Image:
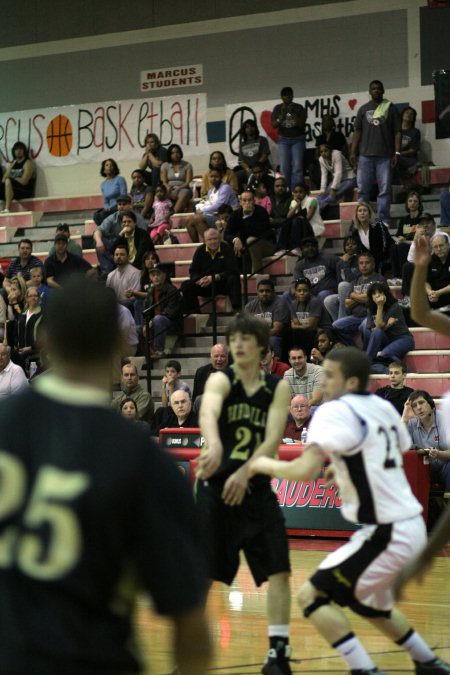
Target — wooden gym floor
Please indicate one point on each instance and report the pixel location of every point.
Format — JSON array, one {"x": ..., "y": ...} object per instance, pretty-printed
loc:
[{"x": 239, "y": 629}]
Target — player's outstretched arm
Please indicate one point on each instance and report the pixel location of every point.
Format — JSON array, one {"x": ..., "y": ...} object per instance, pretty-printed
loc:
[
  {"x": 192, "y": 646},
  {"x": 421, "y": 311},
  {"x": 276, "y": 421},
  {"x": 417, "y": 568},
  {"x": 216, "y": 390},
  {"x": 306, "y": 467}
]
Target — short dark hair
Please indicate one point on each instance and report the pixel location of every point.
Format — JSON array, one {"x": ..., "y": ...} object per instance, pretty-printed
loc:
[
  {"x": 25, "y": 241},
  {"x": 303, "y": 186},
  {"x": 286, "y": 91},
  {"x": 377, "y": 82},
  {"x": 116, "y": 169},
  {"x": 399, "y": 364},
  {"x": 128, "y": 399},
  {"x": 250, "y": 325},
  {"x": 304, "y": 281},
  {"x": 141, "y": 173},
  {"x": 421, "y": 393},
  {"x": 82, "y": 321},
  {"x": 172, "y": 363},
  {"x": 123, "y": 245},
  {"x": 309, "y": 240},
  {"x": 297, "y": 348},
  {"x": 224, "y": 208},
  {"x": 162, "y": 187},
  {"x": 354, "y": 363},
  {"x": 62, "y": 227},
  {"x": 266, "y": 282},
  {"x": 414, "y": 111},
  {"x": 366, "y": 254},
  {"x": 130, "y": 214}
]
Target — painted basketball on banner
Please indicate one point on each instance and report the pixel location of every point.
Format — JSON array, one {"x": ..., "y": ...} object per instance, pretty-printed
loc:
[{"x": 59, "y": 136}]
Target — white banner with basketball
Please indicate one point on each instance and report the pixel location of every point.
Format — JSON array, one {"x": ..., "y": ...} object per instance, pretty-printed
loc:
[
  {"x": 342, "y": 107},
  {"x": 80, "y": 134}
]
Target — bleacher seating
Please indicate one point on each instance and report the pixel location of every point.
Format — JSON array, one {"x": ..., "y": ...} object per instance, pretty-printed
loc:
[{"x": 428, "y": 364}]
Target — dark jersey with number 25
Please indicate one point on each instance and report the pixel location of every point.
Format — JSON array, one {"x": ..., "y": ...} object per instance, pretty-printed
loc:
[
  {"x": 90, "y": 512},
  {"x": 242, "y": 423}
]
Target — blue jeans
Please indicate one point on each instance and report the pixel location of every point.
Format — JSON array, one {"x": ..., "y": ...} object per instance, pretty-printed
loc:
[
  {"x": 276, "y": 342},
  {"x": 345, "y": 186},
  {"x": 376, "y": 340},
  {"x": 347, "y": 327},
  {"x": 440, "y": 473},
  {"x": 291, "y": 159},
  {"x": 161, "y": 325},
  {"x": 370, "y": 168},
  {"x": 335, "y": 304}
]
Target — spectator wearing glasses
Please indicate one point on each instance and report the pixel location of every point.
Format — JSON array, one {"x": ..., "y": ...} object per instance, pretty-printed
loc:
[{"x": 298, "y": 419}]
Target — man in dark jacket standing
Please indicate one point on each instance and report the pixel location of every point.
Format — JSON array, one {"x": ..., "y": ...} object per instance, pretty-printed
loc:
[
  {"x": 163, "y": 308},
  {"x": 214, "y": 265},
  {"x": 250, "y": 226}
]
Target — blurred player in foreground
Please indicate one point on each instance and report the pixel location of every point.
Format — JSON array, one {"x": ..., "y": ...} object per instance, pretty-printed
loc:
[
  {"x": 365, "y": 438},
  {"x": 242, "y": 415},
  {"x": 90, "y": 512},
  {"x": 422, "y": 313}
]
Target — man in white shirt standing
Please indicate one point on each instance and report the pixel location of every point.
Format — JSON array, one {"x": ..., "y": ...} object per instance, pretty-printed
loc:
[
  {"x": 365, "y": 439},
  {"x": 12, "y": 377}
]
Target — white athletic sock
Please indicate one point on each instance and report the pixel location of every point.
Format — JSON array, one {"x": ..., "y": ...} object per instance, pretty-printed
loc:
[
  {"x": 281, "y": 630},
  {"x": 353, "y": 653},
  {"x": 416, "y": 647}
]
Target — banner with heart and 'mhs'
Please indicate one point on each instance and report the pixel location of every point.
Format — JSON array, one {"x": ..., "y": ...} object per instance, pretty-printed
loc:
[{"x": 342, "y": 107}]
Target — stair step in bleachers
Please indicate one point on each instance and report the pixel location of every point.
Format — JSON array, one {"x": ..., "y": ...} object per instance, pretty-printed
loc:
[
  {"x": 10, "y": 222},
  {"x": 429, "y": 361},
  {"x": 174, "y": 252},
  {"x": 434, "y": 383},
  {"x": 438, "y": 175},
  {"x": 428, "y": 339},
  {"x": 347, "y": 210},
  {"x": 63, "y": 204}
]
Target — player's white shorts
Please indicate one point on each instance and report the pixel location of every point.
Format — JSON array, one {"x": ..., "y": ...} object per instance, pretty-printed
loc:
[{"x": 360, "y": 574}]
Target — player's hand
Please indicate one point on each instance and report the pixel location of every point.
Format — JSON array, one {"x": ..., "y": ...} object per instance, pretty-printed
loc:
[
  {"x": 329, "y": 475},
  {"x": 238, "y": 246},
  {"x": 434, "y": 453},
  {"x": 391, "y": 321},
  {"x": 414, "y": 570},
  {"x": 408, "y": 412},
  {"x": 209, "y": 461},
  {"x": 422, "y": 253},
  {"x": 235, "y": 487},
  {"x": 260, "y": 465}
]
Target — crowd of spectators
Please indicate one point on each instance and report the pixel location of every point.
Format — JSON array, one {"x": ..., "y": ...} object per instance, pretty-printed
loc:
[{"x": 239, "y": 216}]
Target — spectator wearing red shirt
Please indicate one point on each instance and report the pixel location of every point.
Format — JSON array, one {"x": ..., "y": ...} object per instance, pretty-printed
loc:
[
  {"x": 271, "y": 364},
  {"x": 299, "y": 417}
]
